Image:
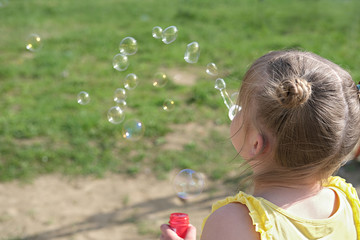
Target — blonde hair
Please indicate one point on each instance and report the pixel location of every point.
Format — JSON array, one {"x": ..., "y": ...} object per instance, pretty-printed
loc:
[{"x": 310, "y": 106}]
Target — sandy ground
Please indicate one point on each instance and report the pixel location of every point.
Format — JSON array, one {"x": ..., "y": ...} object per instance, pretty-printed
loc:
[{"x": 114, "y": 207}]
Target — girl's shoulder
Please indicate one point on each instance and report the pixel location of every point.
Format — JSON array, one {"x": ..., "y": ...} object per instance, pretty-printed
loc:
[
  {"x": 243, "y": 212},
  {"x": 230, "y": 222}
]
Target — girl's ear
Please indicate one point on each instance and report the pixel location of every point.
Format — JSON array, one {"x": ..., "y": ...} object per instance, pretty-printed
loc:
[{"x": 258, "y": 145}]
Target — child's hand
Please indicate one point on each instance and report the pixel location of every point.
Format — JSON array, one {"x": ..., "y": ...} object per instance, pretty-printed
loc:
[{"x": 168, "y": 234}]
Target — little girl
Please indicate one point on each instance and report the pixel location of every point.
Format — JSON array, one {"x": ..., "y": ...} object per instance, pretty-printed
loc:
[{"x": 299, "y": 123}]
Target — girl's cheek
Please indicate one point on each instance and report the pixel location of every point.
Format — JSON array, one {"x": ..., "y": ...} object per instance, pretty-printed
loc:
[{"x": 236, "y": 133}]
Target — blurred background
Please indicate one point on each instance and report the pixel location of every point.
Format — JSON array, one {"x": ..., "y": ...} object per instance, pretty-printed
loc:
[{"x": 52, "y": 147}]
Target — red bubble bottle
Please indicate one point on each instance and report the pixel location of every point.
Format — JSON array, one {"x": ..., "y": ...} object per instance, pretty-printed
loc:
[{"x": 179, "y": 223}]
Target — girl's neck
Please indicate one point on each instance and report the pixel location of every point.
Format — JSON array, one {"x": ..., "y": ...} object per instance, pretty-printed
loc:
[{"x": 283, "y": 196}]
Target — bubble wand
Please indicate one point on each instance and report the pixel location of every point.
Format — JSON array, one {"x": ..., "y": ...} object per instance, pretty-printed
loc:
[{"x": 233, "y": 108}]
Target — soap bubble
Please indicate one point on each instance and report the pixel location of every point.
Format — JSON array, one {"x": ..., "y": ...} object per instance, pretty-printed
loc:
[
  {"x": 131, "y": 81},
  {"x": 160, "y": 79},
  {"x": 211, "y": 69},
  {"x": 65, "y": 74},
  {"x": 83, "y": 98},
  {"x": 188, "y": 183},
  {"x": 115, "y": 115},
  {"x": 233, "y": 110},
  {"x": 45, "y": 159},
  {"x": 168, "y": 105},
  {"x": 133, "y": 130},
  {"x": 33, "y": 42},
  {"x": 128, "y": 46},
  {"x": 169, "y": 34},
  {"x": 157, "y": 32},
  {"x": 144, "y": 18},
  {"x": 119, "y": 94},
  {"x": 120, "y": 62},
  {"x": 220, "y": 84},
  {"x": 121, "y": 104},
  {"x": 192, "y": 52}
]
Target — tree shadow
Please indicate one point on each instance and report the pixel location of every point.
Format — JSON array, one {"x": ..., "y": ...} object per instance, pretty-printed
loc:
[
  {"x": 123, "y": 215},
  {"x": 135, "y": 213}
]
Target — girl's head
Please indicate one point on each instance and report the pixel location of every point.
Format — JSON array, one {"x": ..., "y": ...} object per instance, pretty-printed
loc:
[{"x": 306, "y": 110}]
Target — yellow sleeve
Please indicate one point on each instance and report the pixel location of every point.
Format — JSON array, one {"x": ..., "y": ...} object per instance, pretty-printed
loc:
[
  {"x": 352, "y": 197},
  {"x": 257, "y": 213}
]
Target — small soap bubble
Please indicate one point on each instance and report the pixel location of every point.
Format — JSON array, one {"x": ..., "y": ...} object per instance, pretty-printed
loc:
[
  {"x": 119, "y": 94},
  {"x": 144, "y": 17},
  {"x": 192, "y": 52},
  {"x": 120, "y": 62},
  {"x": 160, "y": 79},
  {"x": 83, "y": 98},
  {"x": 45, "y": 159},
  {"x": 169, "y": 35},
  {"x": 115, "y": 115},
  {"x": 220, "y": 84},
  {"x": 121, "y": 104},
  {"x": 168, "y": 105},
  {"x": 33, "y": 42},
  {"x": 65, "y": 74},
  {"x": 128, "y": 46},
  {"x": 131, "y": 81},
  {"x": 188, "y": 184},
  {"x": 234, "y": 109},
  {"x": 157, "y": 32},
  {"x": 133, "y": 130},
  {"x": 211, "y": 69}
]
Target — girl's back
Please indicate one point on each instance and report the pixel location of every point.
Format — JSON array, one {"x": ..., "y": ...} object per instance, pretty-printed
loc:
[{"x": 332, "y": 213}]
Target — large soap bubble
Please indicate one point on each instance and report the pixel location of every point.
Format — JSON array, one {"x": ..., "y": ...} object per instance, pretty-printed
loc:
[
  {"x": 128, "y": 46},
  {"x": 188, "y": 183},
  {"x": 192, "y": 52},
  {"x": 115, "y": 115},
  {"x": 131, "y": 81},
  {"x": 83, "y": 98},
  {"x": 120, "y": 62},
  {"x": 157, "y": 32},
  {"x": 169, "y": 105},
  {"x": 119, "y": 95},
  {"x": 160, "y": 79},
  {"x": 211, "y": 69},
  {"x": 133, "y": 129},
  {"x": 169, "y": 35}
]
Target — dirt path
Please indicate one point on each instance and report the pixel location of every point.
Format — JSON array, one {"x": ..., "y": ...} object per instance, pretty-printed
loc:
[{"x": 115, "y": 207}]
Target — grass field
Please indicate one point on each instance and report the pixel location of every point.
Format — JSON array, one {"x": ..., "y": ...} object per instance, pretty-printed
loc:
[{"x": 44, "y": 130}]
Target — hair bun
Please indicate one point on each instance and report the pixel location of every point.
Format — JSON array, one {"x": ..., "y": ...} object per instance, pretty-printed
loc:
[{"x": 292, "y": 93}]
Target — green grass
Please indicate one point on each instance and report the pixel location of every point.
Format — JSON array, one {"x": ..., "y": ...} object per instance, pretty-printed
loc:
[{"x": 42, "y": 128}]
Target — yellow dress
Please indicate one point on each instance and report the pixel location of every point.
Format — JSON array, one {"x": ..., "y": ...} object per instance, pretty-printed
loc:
[{"x": 275, "y": 223}]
